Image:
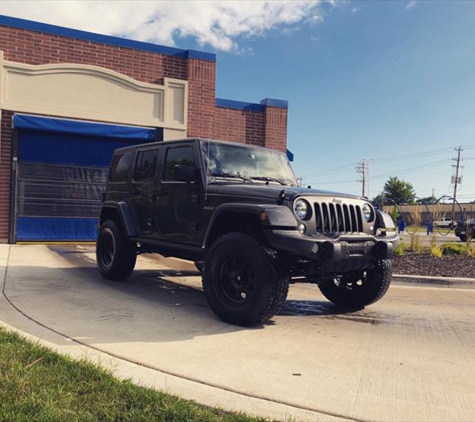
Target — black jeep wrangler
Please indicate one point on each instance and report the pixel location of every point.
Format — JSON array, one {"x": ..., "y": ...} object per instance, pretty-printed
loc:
[{"x": 238, "y": 212}]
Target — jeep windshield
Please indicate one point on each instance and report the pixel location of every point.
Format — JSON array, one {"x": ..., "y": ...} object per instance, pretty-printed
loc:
[{"x": 245, "y": 164}]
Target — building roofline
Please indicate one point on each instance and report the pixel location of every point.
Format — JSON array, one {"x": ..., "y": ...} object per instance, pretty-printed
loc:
[
  {"x": 104, "y": 39},
  {"x": 241, "y": 105}
]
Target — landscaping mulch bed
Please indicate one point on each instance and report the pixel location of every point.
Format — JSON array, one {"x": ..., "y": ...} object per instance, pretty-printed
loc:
[{"x": 424, "y": 264}]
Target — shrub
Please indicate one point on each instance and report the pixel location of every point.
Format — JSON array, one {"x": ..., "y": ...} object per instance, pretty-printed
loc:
[
  {"x": 399, "y": 251},
  {"x": 436, "y": 251},
  {"x": 454, "y": 248}
]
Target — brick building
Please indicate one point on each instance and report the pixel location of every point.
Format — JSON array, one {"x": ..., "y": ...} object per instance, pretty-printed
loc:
[{"x": 68, "y": 98}]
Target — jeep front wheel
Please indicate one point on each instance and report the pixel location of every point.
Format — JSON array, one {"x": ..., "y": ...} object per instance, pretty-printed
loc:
[
  {"x": 358, "y": 289},
  {"x": 116, "y": 255},
  {"x": 242, "y": 280}
]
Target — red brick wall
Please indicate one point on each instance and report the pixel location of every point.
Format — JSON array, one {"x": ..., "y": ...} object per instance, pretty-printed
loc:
[
  {"x": 204, "y": 118},
  {"x": 5, "y": 173},
  {"x": 201, "y": 98},
  {"x": 276, "y": 128},
  {"x": 239, "y": 126},
  {"x": 20, "y": 45}
]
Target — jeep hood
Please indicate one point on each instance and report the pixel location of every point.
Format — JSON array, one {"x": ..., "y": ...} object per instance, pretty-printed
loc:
[{"x": 271, "y": 191}]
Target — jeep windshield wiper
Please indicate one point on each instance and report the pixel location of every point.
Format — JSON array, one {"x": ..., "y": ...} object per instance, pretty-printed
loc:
[
  {"x": 269, "y": 179},
  {"x": 230, "y": 175}
]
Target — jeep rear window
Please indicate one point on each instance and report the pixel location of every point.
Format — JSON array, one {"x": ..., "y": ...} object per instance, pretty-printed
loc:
[
  {"x": 145, "y": 165},
  {"x": 120, "y": 167},
  {"x": 178, "y": 156}
]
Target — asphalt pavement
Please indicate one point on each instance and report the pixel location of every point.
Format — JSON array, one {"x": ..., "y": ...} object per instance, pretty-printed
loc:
[{"x": 408, "y": 357}]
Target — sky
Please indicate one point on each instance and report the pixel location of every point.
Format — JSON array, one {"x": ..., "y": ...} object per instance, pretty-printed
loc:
[{"x": 388, "y": 83}]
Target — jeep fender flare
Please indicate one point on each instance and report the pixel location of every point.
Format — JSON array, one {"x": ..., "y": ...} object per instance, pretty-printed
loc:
[
  {"x": 278, "y": 217},
  {"x": 123, "y": 210},
  {"x": 384, "y": 220}
]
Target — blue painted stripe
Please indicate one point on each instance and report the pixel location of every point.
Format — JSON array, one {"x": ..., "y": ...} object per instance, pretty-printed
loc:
[
  {"x": 271, "y": 102},
  {"x": 47, "y": 228},
  {"x": 239, "y": 105},
  {"x": 104, "y": 39},
  {"x": 104, "y": 130}
]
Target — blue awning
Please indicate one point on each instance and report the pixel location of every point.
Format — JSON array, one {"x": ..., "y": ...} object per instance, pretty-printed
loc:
[
  {"x": 103, "y": 130},
  {"x": 290, "y": 156}
]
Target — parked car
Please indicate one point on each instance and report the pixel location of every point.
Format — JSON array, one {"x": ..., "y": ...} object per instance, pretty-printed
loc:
[
  {"x": 445, "y": 223},
  {"x": 465, "y": 229},
  {"x": 238, "y": 212}
]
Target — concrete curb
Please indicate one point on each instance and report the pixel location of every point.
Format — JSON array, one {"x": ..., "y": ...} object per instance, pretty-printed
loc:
[{"x": 428, "y": 281}]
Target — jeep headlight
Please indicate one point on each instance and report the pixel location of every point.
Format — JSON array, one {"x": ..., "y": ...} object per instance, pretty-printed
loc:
[
  {"x": 302, "y": 209},
  {"x": 367, "y": 212}
]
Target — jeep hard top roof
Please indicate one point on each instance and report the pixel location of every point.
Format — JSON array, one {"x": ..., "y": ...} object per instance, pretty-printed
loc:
[{"x": 178, "y": 141}]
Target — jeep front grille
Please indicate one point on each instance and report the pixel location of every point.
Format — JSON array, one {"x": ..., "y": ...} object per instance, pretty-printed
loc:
[{"x": 338, "y": 218}]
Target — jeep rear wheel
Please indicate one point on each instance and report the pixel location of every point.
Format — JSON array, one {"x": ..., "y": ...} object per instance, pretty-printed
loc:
[
  {"x": 242, "y": 281},
  {"x": 356, "y": 290},
  {"x": 116, "y": 255}
]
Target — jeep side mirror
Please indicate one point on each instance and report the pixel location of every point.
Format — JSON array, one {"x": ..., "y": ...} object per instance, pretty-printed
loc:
[{"x": 183, "y": 173}]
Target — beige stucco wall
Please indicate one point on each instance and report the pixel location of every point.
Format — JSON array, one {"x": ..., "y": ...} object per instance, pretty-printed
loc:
[{"x": 93, "y": 93}]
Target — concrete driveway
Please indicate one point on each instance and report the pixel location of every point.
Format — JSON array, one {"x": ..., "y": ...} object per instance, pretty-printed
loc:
[{"x": 408, "y": 357}]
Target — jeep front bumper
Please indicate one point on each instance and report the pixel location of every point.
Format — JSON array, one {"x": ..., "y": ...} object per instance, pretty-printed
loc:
[{"x": 334, "y": 249}]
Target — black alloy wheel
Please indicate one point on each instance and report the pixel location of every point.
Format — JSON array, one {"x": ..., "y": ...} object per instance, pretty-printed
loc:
[{"x": 242, "y": 280}]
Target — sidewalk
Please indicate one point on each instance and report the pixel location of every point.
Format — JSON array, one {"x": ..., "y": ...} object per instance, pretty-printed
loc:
[
  {"x": 158, "y": 331},
  {"x": 108, "y": 353},
  {"x": 428, "y": 281}
]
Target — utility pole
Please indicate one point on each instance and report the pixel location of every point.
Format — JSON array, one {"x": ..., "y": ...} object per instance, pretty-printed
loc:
[
  {"x": 457, "y": 180},
  {"x": 363, "y": 169}
]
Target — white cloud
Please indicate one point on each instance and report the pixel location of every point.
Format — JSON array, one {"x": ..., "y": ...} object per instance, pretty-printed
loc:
[
  {"x": 411, "y": 4},
  {"x": 213, "y": 23}
]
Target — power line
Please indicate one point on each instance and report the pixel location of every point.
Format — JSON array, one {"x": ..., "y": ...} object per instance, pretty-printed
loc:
[
  {"x": 385, "y": 160},
  {"x": 412, "y": 169},
  {"x": 412, "y": 156},
  {"x": 330, "y": 170}
]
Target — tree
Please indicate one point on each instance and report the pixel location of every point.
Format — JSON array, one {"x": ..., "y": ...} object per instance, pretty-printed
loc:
[
  {"x": 428, "y": 200},
  {"x": 399, "y": 191}
]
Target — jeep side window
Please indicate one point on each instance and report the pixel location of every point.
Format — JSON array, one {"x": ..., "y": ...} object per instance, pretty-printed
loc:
[
  {"x": 178, "y": 156},
  {"x": 145, "y": 165},
  {"x": 120, "y": 167}
]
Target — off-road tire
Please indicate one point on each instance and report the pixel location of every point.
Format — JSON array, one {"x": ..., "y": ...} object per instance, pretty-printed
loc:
[
  {"x": 116, "y": 255},
  {"x": 360, "y": 289},
  {"x": 242, "y": 281},
  {"x": 463, "y": 238}
]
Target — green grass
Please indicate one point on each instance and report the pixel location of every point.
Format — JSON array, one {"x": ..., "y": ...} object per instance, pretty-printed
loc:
[{"x": 38, "y": 384}]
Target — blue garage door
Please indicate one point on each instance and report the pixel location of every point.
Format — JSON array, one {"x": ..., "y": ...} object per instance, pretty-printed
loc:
[{"x": 62, "y": 171}]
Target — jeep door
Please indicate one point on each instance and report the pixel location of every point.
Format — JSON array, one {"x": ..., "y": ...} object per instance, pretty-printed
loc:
[
  {"x": 177, "y": 207},
  {"x": 142, "y": 187}
]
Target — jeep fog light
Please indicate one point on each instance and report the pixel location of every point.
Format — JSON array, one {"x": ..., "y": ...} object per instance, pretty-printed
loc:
[
  {"x": 301, "y": 208},
  {"x": 302, "y": 228}
]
